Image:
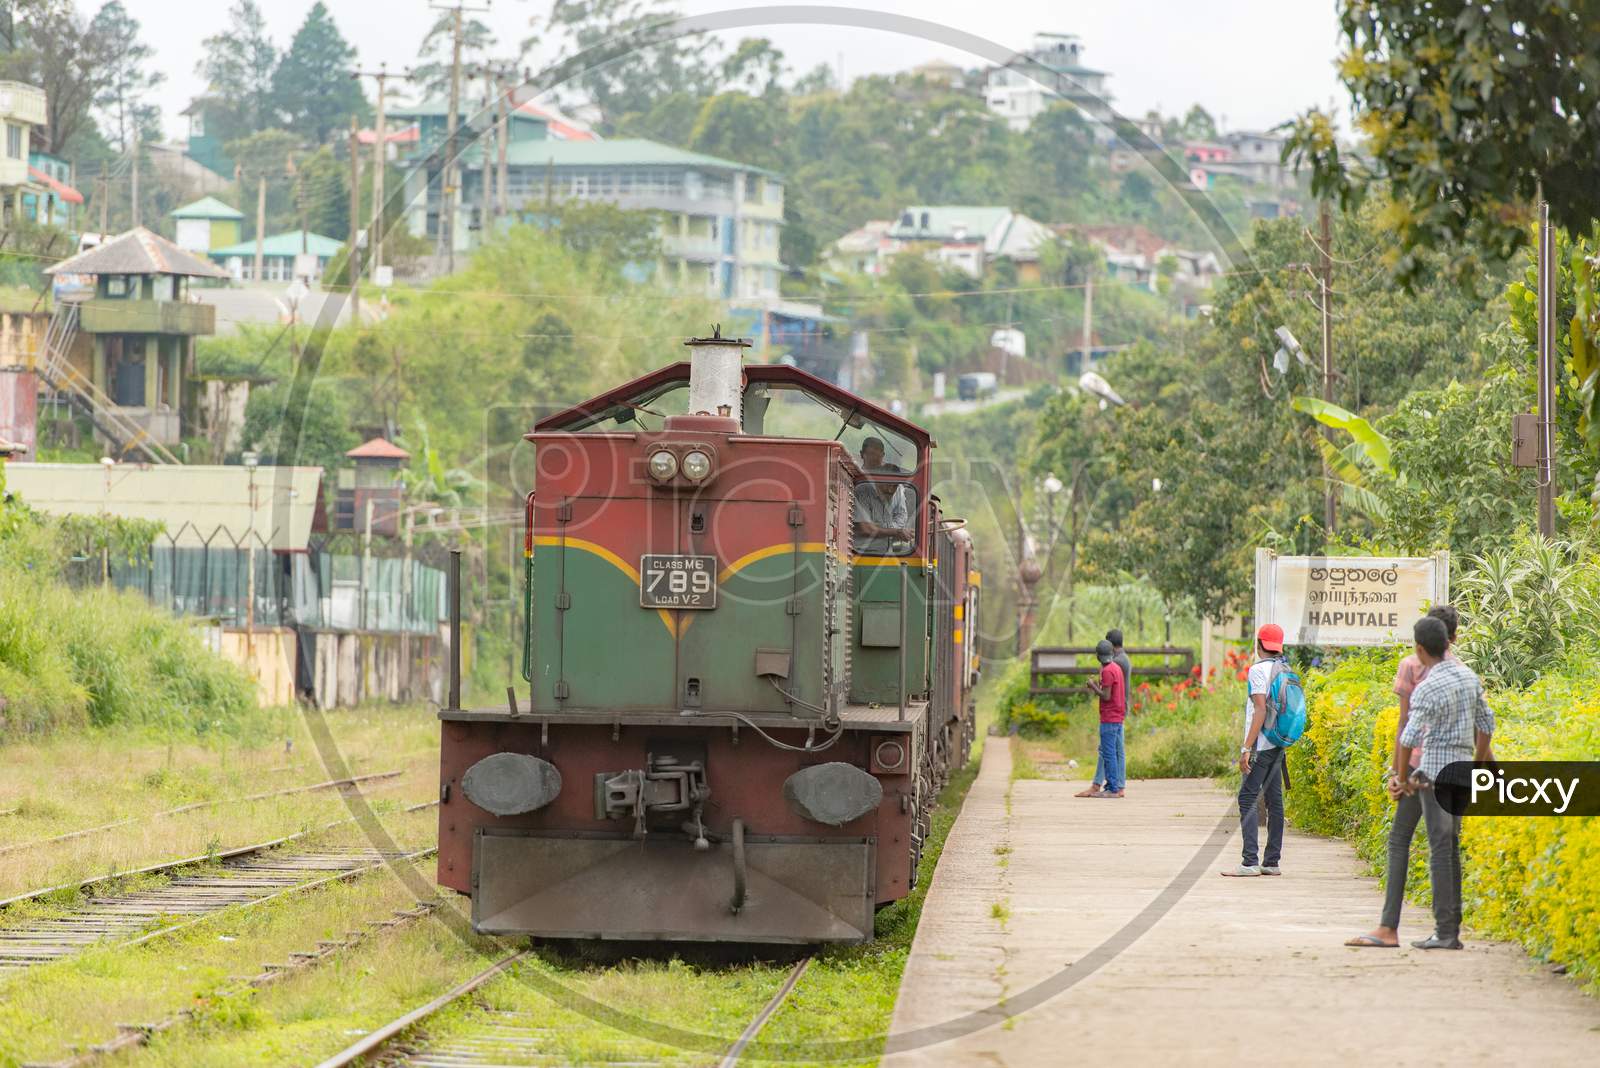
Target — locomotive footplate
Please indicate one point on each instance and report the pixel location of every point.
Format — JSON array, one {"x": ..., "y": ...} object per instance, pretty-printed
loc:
[
  {"x": 571, "y": 884},
  {"x": 877, "y": 718}
]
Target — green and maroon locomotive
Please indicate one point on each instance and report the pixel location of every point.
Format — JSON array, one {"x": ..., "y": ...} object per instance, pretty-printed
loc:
[{"x": 748, "y": 667}]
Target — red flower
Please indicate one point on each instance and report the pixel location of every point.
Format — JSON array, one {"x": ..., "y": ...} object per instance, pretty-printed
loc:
[{"x": 1242, "y": 675}]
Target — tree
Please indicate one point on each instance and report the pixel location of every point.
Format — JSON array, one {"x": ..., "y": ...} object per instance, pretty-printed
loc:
[
  {"x": 740, "y": 126},
  {"x": 611, "y": 238},
  {"x": 123, "y": 101},
  {"x": 1060, "y": 146},
  {"x": 325, "y": 433},
  {"x": 70, "y": 59},
  {"x": 432, "y": 75},
  {"x": 265, "y": 154},
  {"x": 1467, "y": 109},
  {"x": 322, "y": 192},
  {"x": 630, "y": 59},
  {"x": 755, "y": 66},
  {"x": 239, "y": 64},
  {"x": 311, "y": 87},
  {"x": 1198, "y": 125}
]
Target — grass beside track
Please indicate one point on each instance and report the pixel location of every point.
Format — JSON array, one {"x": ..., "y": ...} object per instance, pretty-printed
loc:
[
  {"x": 48, "y": 1009},
  {"x": 66, "y": 784}
]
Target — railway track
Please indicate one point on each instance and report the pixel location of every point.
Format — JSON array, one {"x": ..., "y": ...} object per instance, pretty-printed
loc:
[
  {"x": 243, "y": 877},
  {"x": 503, "y": 1038}
]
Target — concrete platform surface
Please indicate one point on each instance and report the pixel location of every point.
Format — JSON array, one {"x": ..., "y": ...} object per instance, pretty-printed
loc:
[{"x": 1068, "y": 930}]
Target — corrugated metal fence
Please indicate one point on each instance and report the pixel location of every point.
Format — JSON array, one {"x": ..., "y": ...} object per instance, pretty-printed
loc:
[{"x": 316, "y": 589}]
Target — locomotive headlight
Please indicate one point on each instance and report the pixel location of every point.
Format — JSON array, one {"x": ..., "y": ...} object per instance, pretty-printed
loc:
[
  {"x": 697, "y": 466},
  {"x": 663, "y": 465}
]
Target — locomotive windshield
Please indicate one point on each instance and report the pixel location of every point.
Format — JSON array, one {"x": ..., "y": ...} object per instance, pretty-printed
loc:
[
  {"x": 792, "y": 411},
  {"x": 773, "y": 409}
]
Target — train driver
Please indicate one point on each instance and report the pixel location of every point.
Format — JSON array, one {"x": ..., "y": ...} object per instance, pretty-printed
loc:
[{"x": 882, "y": 513}]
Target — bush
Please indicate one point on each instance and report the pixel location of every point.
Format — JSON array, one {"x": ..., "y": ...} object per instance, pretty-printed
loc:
[
  {"x": 1528, "y": 607},
  {"x": 75, "y": 658},
  {"x": 1535, "y": 881}
]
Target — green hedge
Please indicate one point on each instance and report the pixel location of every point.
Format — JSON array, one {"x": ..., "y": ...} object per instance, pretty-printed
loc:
[{"x": 1533, "y": 881}]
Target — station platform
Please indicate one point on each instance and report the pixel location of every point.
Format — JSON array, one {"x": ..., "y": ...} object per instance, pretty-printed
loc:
[{"x": 1064, "y": 930}]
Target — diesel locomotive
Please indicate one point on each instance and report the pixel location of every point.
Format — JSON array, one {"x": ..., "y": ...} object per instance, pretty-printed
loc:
[{"x": 748, "y": 666}]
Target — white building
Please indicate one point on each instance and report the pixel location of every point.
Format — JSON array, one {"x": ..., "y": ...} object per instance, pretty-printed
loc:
[
  {"x": 720, "y": 220},
  {"x": 1049, "y": 72},
  {"x": 968, "y": 237}
]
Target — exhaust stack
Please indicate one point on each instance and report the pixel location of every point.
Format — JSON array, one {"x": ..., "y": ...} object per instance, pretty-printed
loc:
[{"x": 716, "y": 378}]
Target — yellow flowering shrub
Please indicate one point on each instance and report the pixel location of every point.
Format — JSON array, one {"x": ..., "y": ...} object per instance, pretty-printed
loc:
[{"x": 1531, "y": 880}]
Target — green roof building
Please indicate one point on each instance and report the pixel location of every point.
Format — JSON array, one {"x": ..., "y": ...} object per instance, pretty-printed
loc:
[
  {"x": 720, "y": 218},
  {"x": 206, "y": 224},
  {"x": 278, "y": 255}
]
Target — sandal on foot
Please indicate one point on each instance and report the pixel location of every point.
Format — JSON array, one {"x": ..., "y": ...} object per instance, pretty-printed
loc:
[
  {"x": 1093, "y": 791},
  {"x": 1370, "y": 942}
]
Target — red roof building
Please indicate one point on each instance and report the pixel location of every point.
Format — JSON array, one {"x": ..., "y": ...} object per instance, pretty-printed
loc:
[{"x": 378, "y": 449}]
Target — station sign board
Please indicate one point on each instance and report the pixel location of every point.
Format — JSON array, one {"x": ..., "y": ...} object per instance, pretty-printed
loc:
[{"x": 1348, "y": 600}]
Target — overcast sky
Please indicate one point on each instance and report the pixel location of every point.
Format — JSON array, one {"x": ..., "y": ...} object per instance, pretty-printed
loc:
[{"x": 1252, "y": 62}]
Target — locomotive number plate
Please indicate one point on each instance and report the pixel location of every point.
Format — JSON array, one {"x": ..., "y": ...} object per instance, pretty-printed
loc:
[{"x": 673, "y": 581}]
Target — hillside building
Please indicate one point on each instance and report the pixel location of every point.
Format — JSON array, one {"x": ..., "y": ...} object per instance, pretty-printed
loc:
[
  {"x": 206, "y": 224},
  {"x": 967, "y": 237},
  {"x": 279, "y": 255},
  {"x": 1048, "y": 73},
  {"x": 720, "y": 220}
]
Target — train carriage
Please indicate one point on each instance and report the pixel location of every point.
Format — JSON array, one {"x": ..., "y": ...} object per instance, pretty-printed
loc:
[{"x": 747, "y": 668}]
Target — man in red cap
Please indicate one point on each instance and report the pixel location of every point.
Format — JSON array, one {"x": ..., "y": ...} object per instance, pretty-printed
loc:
[{"x": 1260, "y": 764}]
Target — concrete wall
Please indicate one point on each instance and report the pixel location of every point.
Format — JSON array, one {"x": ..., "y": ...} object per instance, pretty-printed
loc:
[
  {"x": 348, "y": 668},
  {"x": 19, "y": 408},
  {"x": 268, "y": 656},
  {"x": 351, "y": 667}
]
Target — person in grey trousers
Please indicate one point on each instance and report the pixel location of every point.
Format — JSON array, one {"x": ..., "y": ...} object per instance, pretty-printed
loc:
[
  {"x": 1448, "y": 708},
  {"x": 1408, "y": 806}
]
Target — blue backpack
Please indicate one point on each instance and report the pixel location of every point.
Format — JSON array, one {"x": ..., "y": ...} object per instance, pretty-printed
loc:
[{"x": 1287, "y": 714}]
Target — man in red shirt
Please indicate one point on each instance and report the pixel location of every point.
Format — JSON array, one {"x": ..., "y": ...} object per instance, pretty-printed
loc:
[{"x": 1113, "y": 708}]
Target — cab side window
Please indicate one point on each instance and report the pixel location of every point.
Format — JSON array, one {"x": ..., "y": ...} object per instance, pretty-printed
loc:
[{"x": 884, "y": 518}]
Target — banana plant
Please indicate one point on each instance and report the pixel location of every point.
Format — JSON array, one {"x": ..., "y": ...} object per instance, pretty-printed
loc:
[
  {"x": 1374, "y": 447},
  {"x": 1349, "y": 465}
]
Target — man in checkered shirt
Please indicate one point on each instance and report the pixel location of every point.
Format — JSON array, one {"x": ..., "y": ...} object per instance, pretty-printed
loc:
[{"x": 1448, "y": 709}]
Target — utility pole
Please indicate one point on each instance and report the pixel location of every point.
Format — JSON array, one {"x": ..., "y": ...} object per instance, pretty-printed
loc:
[
  {"x": 1547, "y": 346},
  {"x": 491, "y": 83},
  {"x": 1088, "y": 320},
  {"x": 1325, "y": 228},
  {"x": 380, "y": 160},
  {"x": 261, "y": 224},
  {"x": 447, "y": 177},
  {"x": 105, "y": 203},
  {"x": 504, "y": 139},
  {"x": 300, "y": 202},
  {"x": 352, "y": 267},
  {"x": 134, "y": 206}
]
